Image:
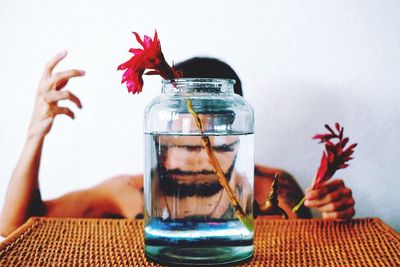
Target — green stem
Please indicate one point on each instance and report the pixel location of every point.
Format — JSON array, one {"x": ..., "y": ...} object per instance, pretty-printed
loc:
[{"x": 298, "y": 206}]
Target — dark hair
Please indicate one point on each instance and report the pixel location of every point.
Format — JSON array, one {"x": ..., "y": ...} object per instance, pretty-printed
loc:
[{"x": 207, "y": 67}]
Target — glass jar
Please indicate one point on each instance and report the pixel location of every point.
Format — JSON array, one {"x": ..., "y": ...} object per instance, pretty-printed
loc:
[{"x": 198, "y": 142}]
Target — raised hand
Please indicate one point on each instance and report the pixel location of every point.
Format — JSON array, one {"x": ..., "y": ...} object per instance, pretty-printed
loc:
[
  {"x": 48, "y": 94},
  {"x": 333, "y": 199},
  {"x": 23, "y": 197}
]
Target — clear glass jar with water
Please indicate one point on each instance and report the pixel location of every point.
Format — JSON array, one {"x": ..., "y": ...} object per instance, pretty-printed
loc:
[{"x": 199, "y": 141}]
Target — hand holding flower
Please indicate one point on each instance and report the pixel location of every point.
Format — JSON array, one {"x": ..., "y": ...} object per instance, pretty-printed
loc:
[{"x": 333, "y": 199}]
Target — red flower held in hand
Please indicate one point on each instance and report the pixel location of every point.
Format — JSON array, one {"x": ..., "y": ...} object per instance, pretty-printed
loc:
[
  {"x": 148, "y": 57},
  {"x": 335, "y": 156}
]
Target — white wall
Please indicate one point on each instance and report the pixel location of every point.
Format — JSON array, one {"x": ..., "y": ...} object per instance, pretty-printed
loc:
[{"x": 302, "y": 64}]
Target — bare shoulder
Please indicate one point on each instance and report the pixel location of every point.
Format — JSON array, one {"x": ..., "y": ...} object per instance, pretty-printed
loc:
[
  {"x": 116, "y": 197},
  {"x": 121, "y": 182},
  {"x": 124, "y": 195}
]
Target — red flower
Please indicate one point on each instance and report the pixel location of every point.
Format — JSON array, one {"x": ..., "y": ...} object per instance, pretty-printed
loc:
[
  {"x": 148, "y": 57},
  {"x": 335, "y": 156}
]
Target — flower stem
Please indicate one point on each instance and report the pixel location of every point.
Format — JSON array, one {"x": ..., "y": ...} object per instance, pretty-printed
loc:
[
  {"x": 244, "y": 219},
  {"x": 298, "y": 206}
]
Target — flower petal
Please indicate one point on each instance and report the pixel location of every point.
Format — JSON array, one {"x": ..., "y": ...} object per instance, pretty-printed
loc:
[
  {"x": 149, "y": 58},
  {"x": 127, "y": 74},
  {"x": 337, "y": 126},
  {"x": 147, "y": 42},
  {"x": 335, "y": 155},
  {"x": 138, "y": 38},
  {"x": 136, "y": 51}
]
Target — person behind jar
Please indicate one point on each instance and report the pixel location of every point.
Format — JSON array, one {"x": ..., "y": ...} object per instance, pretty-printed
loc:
[
  {"x": 184, "y": 181},
  {"x": 122, "y": 196}
]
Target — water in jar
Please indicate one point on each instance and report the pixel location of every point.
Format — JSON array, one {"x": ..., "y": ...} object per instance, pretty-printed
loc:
[{"x": 189, "y": 217}]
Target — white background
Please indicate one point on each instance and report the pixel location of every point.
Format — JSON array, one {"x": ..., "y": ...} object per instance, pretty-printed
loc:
[{"x": 302, "y": 64}]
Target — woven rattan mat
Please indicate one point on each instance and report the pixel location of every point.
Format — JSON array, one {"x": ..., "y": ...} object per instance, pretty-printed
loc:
[{"x": 99, "y": 242}]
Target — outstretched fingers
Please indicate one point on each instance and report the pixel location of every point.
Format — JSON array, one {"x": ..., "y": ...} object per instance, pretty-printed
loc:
[
  {"x": 63, "y": 110},
  {"x": 48, "y": 69},
  {"x": 60, "y": 79},
  {"x": 57, "y": 81},
  {"x": 49, "y": 93},
  {"x": 55, "y": 96}
]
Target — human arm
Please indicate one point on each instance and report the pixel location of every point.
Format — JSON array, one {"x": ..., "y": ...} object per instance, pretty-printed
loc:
[
  {"x": 23, "y": 197},
  {"x": 333, "y": 199}
]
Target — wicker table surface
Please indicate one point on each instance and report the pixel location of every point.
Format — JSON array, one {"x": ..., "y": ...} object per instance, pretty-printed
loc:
[{"x": 98, "y": 242}]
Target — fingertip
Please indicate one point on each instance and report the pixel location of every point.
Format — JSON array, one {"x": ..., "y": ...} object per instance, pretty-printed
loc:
[
  {"x": 78, "y": 103},
  {"x": 330, "y": 216},
  {"x": 308, "y": 191},
  {"x": 63, "y": 53},
  {"x": 309, "y": 195}
]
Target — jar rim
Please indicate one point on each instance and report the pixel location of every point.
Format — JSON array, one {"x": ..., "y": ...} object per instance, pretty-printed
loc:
[
  {"x": 198, "y": 85},
  {"x": 198, "y": 80}
]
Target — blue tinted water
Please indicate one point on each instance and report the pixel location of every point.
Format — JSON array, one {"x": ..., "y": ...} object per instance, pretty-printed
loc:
[
  {"x": 197, "y": 243},
  {"x": 188, "y": 217}
]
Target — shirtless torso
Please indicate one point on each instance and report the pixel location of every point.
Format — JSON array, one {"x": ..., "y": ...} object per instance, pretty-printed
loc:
[{"x": 122, "y": 197}]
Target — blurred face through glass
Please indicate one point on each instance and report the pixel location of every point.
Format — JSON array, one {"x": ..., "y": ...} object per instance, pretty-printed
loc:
[
  {"x": 185, "y": 169},
  {"x": 187, "y": 182}
]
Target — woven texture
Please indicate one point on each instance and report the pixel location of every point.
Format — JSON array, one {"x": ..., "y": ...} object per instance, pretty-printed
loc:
[{"x": 99, "y": 242}]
